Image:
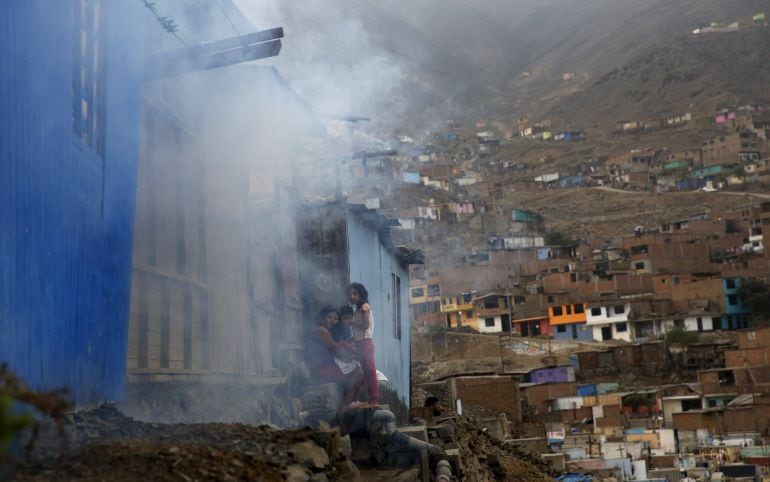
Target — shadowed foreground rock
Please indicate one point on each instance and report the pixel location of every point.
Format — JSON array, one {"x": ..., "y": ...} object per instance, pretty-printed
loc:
[{"x": 102, "y": 444}]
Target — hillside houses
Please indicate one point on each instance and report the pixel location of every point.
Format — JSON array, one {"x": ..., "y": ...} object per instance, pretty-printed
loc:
[
  {"x": 584, "y": 412},
  {"x": 685, "y": 273}
]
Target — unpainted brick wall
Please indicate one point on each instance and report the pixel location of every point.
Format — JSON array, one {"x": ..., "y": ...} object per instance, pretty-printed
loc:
[
  {"x": 454, "y": 346},
  {"x": 498, "y": 394}
]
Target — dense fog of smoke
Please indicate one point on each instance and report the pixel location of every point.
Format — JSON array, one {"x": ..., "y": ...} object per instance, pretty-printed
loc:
[{"x": 330, "y": 59}]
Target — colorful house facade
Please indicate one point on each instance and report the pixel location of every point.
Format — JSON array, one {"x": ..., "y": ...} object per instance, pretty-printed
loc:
[{"x": 569, "y": 322}]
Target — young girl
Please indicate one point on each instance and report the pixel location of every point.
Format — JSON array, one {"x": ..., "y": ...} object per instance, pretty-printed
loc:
[
  {"x": 322, "y": 351},
  {"x": 363, "y": 328},
  {"x": 342, "y": 332}
]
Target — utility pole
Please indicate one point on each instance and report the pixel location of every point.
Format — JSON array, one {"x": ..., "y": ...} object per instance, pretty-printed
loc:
[{"x": 510, "y": 316}]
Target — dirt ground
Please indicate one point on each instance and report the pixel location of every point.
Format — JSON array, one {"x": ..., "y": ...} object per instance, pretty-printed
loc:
[{"x": 103, "y": 444}]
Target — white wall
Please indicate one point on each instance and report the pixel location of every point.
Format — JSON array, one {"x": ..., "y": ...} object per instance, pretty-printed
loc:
[
  {"x": 616, "y": 335},
  {"x": 497, "y": 328},
  {"x": 608, "y": 314},
  {"x": 667, "y": 440},
  {"x": 568, "y": 403},
  {"x": 690, "y": 323}
]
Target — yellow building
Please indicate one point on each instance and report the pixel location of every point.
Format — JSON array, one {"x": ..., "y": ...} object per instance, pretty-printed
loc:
[{"x": 458, "y": 310}]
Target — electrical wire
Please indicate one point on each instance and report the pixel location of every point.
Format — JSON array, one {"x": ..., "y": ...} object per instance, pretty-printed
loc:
[{"x": 167, "y": 23}]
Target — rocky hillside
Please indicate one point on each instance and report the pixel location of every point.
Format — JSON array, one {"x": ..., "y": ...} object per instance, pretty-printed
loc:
[{"x": 697, "y": 73}]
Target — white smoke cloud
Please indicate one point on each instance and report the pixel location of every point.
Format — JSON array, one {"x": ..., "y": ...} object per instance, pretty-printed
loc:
[{"x": 330, "y": 60}]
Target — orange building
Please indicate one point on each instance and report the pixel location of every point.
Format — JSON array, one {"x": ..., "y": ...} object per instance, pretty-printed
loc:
[{"x": 568, "y": 322}]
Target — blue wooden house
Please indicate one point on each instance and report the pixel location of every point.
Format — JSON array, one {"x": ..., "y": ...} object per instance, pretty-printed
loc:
[
  {"x": 70, "y": 93},
  {"x": 340, "y": 244}
]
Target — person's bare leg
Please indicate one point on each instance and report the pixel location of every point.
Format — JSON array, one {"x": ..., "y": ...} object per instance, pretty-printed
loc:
[{"x": 354, "y": 382}]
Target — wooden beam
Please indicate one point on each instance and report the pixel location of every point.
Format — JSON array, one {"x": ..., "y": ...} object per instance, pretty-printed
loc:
[
  {"x": 235, "y": 42},
  {"x": 213, "y": 55}
]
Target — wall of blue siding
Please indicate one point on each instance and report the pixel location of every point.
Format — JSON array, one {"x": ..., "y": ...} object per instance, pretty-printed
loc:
[
  {"x": 372, "y": 265},
  {"x": 733, "y": 291},
  {"x": 66, "y": 215},
  {"x": 581, "y": 332}
]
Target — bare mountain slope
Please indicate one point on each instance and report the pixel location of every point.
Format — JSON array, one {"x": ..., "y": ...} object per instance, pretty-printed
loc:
[
  {"x": 690, "y": 73},
  {"x": 434, "y": 59}
]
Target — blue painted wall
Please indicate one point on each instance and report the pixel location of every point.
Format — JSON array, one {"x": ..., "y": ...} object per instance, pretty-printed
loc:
[
  {"x": 728, "y": 291},
  {"x": 66, "y": 214},
  {"x": 582, "y": 332},
  {"x": 372, "y": 265}
]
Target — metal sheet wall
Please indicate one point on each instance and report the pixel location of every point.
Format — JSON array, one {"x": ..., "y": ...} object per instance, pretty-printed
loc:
[
  {"x": 66, "y": 214},
  {"x": 373, "y": 265}
]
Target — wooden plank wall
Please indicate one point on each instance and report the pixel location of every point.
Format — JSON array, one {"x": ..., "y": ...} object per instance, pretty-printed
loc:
[{"x": 169, "y": 321}]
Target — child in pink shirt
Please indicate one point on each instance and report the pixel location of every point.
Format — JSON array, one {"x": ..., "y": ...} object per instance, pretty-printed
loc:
[{"x": 363, "y": 329}]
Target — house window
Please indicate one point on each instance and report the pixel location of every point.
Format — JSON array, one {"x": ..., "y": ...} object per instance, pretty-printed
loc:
[
  {"x": 639, "y": 265},
  {"x": 675, "y": 279},
  {"x": 489, "y": 322},
  {"x": 573, "y": 277},
  {"x": 751, "y": 336},
  {"x": 491, "y": 302},
  {"x": 467, "y": 298},
  {"x": 619, "y": 309},
  {"x": 596, "y": 311},
  {"x": 569, "y": 309},
  {"x": 433, "y": 290},
  {"x": 730, "y": 283},
  {"x": 88, "y": 74},
  {"x": 621, "y": 327},
  {"x": 469, "y": 314},
  {"x": 578, "y": 309},
  {"x": 699, "y": 321},
  {"x": 395, "y": 304},
  {"x": 550, "y": 299},
  {"x": 561, "y": 329},
  {"x": 557, "y": 311},
  {"x": 732, "y": 300},
  {"x": 418, "y": 292}
]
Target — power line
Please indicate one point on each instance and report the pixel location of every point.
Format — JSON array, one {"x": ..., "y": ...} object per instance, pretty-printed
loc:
[{"x": 168, "y": 24}]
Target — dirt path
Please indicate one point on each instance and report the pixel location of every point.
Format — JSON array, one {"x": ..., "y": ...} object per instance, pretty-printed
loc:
[{"x": 729, "y": 193}]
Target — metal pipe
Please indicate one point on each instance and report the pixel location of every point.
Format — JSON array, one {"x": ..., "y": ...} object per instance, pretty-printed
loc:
[
  {"x": 443, "y": 472},
  {"x": 387, "y": 423}
]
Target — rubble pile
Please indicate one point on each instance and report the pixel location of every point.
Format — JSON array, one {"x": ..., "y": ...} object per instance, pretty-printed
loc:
[
  {"x": 103, "y": 444},
  {"x": 480, "y": 457}
]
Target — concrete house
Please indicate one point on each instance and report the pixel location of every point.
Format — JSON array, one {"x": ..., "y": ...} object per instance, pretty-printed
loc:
[
  {"x": 610, "y": 321},
  {"x": 569, "y": 322},
  {"x": 492, "y": 312},
  {"x": 424, "y": 298},
  {"x": 532, "y": 326},
  {"x": 731, "y": 149}
]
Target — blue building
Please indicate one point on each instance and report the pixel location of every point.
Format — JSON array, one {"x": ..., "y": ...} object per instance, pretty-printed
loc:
[
  {"x": 736, "y": 316},
  {"x": 70, "y": 93},
  {"x": 348, "y": 243}
]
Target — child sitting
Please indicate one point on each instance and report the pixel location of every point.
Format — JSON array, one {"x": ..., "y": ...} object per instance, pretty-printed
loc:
[{"x": 342, "y": 332}]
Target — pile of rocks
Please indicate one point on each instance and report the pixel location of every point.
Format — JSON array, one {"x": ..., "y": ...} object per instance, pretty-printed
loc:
[
  {"x": 103, "y": 444},
  {"x": 480, "y": 457}
]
